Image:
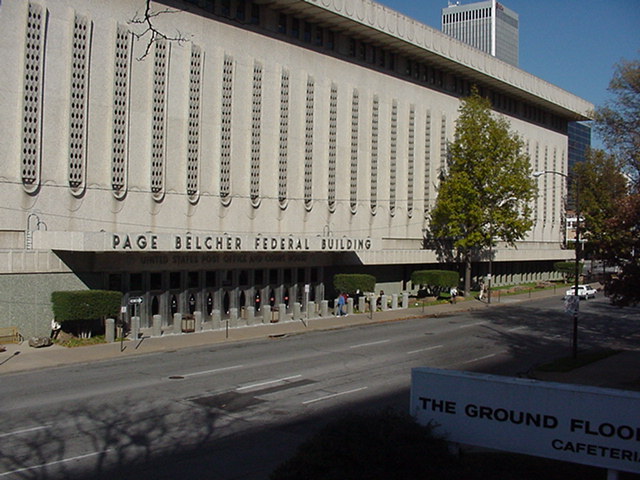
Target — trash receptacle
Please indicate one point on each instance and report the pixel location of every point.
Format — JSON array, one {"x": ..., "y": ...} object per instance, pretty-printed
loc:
[{"x": 188, "y": 323}]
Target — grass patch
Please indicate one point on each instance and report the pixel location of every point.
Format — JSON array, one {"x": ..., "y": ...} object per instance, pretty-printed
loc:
[
  {"x": 566, "y": 364},
  {"x": 81, "y": 342}
]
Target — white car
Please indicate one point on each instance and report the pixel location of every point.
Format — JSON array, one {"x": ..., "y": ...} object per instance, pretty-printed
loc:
[{"x": 584, "y": 291}]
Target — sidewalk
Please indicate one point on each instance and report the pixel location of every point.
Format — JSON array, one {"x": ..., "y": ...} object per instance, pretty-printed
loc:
[{"x": 619, "y": 371}]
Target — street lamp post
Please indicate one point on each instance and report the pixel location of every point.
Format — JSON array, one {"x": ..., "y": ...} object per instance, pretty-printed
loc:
[{"x": 574, "y": 342}]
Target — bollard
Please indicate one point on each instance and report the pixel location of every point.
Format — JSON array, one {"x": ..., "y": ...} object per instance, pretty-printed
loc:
[
  {"x": 297, "y": 311},
  {"x": 233, "y": 317},
  {"x": 110, "y": 330},
  {"x": 266, "y": 313},
  {"x": 197, "y": 315},
  {"x": 282, "y": 312},
  {"x": 405, "y": 300},
  {"x": 177, "y": 323},
  {"x": 156, "y": 329},
  {"x": 324, "y": 308},
  {"x": 383, "y": 302},
  {"x": 135, "y": 327},
  {"x": 349, "y": 306},
  {"x": 394, "y": 301},
  {"x": 251, "y": 315},
  {"x": 311, "y": 309},
  {"x": 362, "y": 303}
]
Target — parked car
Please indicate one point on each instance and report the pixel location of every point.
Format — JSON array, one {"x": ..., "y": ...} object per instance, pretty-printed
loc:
[{"x": 584, "y": 291}]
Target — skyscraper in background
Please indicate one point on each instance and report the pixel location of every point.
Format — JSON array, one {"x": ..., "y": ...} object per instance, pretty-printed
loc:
[{"x": 487, "y": 25}]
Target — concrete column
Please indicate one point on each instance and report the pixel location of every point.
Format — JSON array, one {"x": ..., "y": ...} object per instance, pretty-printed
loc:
[
  {"x": 233, "y": 317},
  {"x": 405, "y": 299},
  {"x": 110, "y": 330},
  {"x": 350, "y": 306},
  {"x": 177, "y": 323},
  {"x": 383, "y": 302},
  {"x": 324, "y": 308},
  {"x": 215, "y": 318},
  {"x": 362, "y": 303},
  {"x": 197, "y": 315},
  {"x": 297, "y": 311},
  {"x": 135, "y": 327},
  {"x": 266, "y": 313},
  {"x": 156, "y": 328}
]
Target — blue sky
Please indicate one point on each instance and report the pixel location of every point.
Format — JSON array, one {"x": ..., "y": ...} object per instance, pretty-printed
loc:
[{"x": 573, "y": 44}]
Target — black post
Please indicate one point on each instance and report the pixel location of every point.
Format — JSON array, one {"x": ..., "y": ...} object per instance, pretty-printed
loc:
[{"x": 577, "y": 267}]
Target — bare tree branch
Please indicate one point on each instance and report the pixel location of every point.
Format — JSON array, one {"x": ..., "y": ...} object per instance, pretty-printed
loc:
[{"x": 147, "y": 21}]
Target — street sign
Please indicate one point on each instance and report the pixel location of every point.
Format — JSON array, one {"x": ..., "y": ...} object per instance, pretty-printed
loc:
[{"x": 135, "y": 300}]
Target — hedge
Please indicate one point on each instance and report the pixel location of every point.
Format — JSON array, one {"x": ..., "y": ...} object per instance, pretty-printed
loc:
[
  {"x": 568, "y": 269},
  {"x": 352, "y": 282},
  {"x": 435, "y": 278},
  {"x": 85, "y": 304}
]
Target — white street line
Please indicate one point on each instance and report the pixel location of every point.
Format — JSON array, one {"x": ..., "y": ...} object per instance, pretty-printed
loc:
[
  {"x": 480, "y": 358},
  {"x": 424, "y": 349},
  {"x": 516, "y": 329},
  {"x": 326, "y": 397},
  {"x": 26, "y": 430},
  {"x": 472, "y": 324},
  {"x": 269, "y": 382},
  {"x": 369, "y": 344},
  {"x": 209, "y": 372},
  {"x": 64, "y": 460}
]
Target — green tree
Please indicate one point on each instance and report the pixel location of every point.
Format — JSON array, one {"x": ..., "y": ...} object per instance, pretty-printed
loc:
[
  {"x": 352, "y": 282},
  {"x": 618, "y": 120},
  {"x": 486, "y": 193},
  {"x": 602, "y": 185},
  {"x": 436, "y": 281}
]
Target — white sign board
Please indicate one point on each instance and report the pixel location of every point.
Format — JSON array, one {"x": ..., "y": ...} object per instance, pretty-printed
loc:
[{"x": 587, "y": 425}]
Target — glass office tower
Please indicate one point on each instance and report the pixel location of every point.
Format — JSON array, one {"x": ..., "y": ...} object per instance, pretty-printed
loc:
[{"x": 488, "y": 26}]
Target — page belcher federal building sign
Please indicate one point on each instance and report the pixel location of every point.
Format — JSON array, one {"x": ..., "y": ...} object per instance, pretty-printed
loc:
[{"x": 592, "y": 426}]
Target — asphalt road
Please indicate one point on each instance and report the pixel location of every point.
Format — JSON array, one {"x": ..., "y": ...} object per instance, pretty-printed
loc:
[{"x": 236, "y": 411}]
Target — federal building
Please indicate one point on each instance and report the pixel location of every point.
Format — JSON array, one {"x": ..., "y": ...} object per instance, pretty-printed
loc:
[{"x": 233, "y": 154}]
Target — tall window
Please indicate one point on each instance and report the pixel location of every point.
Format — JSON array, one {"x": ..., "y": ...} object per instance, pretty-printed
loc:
[
  {"x": 427, "y": 164},
  {"x": 353, "y": 190},
  {"x": 284, "y": 139},
  {"x": 225, "y": 130},
  {"x": 78, "y": 107},
  {"x": 193, "y": 135},
  {"x": 120, "y": 112},
  {"x": 443, "y": 145},
  {"x": 411, "y": 159},
  {"x": 256, "y": 122},
  {"x": 393, "y": 158},
  {"x": 308, "y": 144},
  {"x": 333, "y": 133},
  {"x": 158, "y": 118},
  {"x": 375, "y": 131},
  {"x": 32, "y": 104}
]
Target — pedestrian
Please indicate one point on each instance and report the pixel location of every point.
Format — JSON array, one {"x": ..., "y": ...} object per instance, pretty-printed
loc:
[
  {"x": 341, "y": 301},
  {"x": 55, "y": 329}
]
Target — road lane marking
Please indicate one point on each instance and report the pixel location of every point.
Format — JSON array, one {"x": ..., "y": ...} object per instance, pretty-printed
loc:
[
  {"x": 517, "y": 328},
  {"x": 268, "y": 382},
  {"x": 426, "y": 349},
  {"x": 333, "y": 395},
  {"x": 477, "y": 359},
  {"x": 26, "y": 430},
  {"x": 56, "y": 462},
  {"x": 209, "y": 372},
  {"x": 471, "y": 325},
  {"x": 370, "y": 344}
]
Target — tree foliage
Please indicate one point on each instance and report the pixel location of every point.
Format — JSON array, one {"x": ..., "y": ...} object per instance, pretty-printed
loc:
[
  {"x": 352, "y": 282},
  {"x": 85, "y": 304},
  {"x": 623, "y": 244},
  {"x": 485, "y": 195},
  {"x": 618, "y": 120},
  {"x": 602, "y": 185},
  {"x": 436, "y": 281}
]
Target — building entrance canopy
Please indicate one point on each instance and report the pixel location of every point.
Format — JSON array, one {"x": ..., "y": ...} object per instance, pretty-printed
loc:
[{"x": 199, "y": 242}]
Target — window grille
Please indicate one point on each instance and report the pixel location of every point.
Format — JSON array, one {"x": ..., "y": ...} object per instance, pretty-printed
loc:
[
  {"x": 225, "y": 130},
  {"x": 427, "y": 165},
  {"x": 393, "y": 158},
  {"x": 375, "y": 132},
  {"x": 355, "y": 107},
  {"x": 333, "y": 133},
  {"x": 78, "y": 107},
  {"x": 308, "y": 144},
  {"x": 32, "y": 105},
  {"x": 284, "y": 139},
  {"x": 193, "y": 130},
  {"x": 120, "y": 112},
  {"x": 256, "y": 122},
  {"x": 158, "y": 118},
  {"x": 411, "y": 159}
]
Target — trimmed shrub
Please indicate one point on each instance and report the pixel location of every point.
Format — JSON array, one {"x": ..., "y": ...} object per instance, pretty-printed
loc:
[
  {"x": 82, "y": 312},
  {"x": 567, "y": 269},
  {"x": 352, "y": 282},
  {"x": 436, "y": 281}
]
